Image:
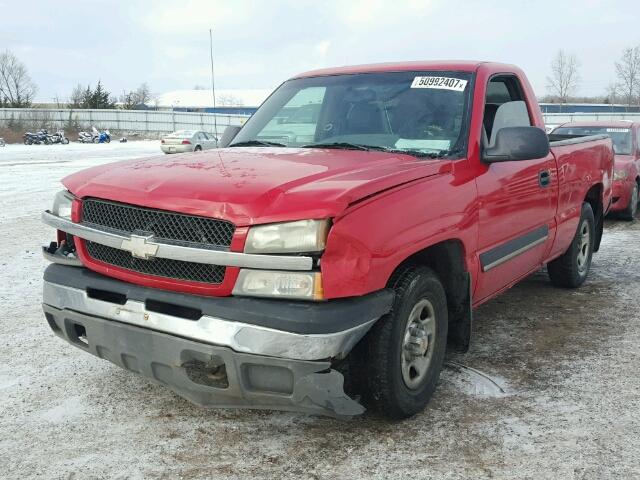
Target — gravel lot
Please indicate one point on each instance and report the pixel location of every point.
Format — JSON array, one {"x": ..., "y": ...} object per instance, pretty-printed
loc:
[{"x": 561, "y": 400}]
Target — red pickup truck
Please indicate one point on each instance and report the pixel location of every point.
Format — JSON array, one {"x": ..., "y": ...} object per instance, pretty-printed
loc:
[
  {"x": 346, "y": 231},
  {"x": 626, "y": 145}
]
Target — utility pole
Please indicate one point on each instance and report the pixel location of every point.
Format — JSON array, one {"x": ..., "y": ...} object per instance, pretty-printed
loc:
[{"x": 213, "y": 86}]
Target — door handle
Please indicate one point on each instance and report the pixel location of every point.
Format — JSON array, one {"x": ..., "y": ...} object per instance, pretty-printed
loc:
[{"x": 544, "y": 178}]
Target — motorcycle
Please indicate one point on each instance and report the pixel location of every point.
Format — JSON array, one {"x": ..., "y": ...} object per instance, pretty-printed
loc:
[
  {"x": 102, "y": 137},
  {"x": 94, "y": 136},
  {"x": 41, "y": 136},
  {"x": 85, "y": 137},
  {"x": 58, "y": 137}
]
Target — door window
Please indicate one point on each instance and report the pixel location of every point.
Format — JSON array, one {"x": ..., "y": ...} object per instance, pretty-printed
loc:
[{"x": 504, "y": 107}]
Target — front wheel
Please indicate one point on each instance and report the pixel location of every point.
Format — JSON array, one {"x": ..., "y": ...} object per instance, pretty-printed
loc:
[
  {"x": 632, "y": 208},
  {"x": 65, "y": 141},
  {"x": 571, "y": 269},
  {"x": 403, "y": 353}
]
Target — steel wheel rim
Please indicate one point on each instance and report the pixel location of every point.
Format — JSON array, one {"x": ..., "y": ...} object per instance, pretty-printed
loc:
[
  {"x": 583, "y": 247},
  {"x": 418, "y": 344}
]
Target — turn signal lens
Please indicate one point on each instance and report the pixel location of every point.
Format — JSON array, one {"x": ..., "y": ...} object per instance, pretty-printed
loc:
[{"x": 276, "y": 284}]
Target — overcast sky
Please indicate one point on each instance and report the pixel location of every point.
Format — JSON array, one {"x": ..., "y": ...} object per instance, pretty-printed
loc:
[{"x": 259, "y": 44}]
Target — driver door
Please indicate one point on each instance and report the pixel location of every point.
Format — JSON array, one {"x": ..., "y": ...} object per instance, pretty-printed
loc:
[{"x": 516, "y": 198}]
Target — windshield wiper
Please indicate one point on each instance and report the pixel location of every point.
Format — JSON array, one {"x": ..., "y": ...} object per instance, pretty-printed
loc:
[
  {"x": 340, "y": 145},
  {"x": 380, "y": 148},
  {"x": 257, "y": 143}
]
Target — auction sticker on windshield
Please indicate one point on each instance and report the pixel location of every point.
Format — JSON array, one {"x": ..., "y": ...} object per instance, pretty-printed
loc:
[{"x": 444, "y": 83}]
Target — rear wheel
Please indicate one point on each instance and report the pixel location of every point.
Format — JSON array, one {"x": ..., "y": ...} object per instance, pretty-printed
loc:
[
  {"x": 403, "y": 353},
  {"x": 632, "y": 208},
  {"x": 571, "y": 269}
]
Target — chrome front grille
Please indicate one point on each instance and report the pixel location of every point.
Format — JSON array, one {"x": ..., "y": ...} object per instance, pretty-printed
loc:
[
  {"x": 160, "y": 267},
  {"x": 165, "y": 226},
  {"x": 170, "y": 227}
]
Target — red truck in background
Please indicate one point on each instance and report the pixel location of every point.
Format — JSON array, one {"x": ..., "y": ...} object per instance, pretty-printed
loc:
[
  {"x": 626, "y": 145},
  {"x": 347, "y": 229}
]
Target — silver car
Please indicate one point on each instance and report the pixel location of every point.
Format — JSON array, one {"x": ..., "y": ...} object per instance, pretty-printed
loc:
[{"x": 188, "y": 141}]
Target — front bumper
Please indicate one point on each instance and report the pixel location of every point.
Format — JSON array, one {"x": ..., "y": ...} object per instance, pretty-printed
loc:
[
  {"x": 274, "y": 354},
  {"x": 208, "y": 375},
  {"x": 621, "y": 195}
]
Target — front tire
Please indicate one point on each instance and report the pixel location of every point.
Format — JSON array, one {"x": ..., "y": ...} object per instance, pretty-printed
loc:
[
  {"x": 404, "y": 351},
  {"x": 632, "y": 208},
  {"x": 571, "y": 269},
  {"x": 198, "y": 148}
]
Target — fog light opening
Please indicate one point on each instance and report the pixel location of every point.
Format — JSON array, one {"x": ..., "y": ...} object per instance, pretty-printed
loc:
[
  {"x": 80, "y": 333},
  {"x": 210, "y": 374}
]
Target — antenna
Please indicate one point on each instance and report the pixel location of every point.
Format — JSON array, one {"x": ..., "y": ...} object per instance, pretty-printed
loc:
[{"x": 213, "y": 86}]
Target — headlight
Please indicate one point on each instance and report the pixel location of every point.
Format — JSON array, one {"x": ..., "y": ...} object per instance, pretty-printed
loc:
[
  {"x": 62, "y": 204},
  {"x": 619, "y": 174},
  {"x": 291, "y": 237},
  {"x": 268, "y": 283}
]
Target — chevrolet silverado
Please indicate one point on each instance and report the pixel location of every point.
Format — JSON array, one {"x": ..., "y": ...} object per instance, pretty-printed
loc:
[{"x": 326, "y": 258}]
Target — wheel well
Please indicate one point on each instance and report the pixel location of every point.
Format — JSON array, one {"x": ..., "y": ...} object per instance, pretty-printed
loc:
[
  {"x": 594, "y": 198},
  {"x": 446, "y": 259}
]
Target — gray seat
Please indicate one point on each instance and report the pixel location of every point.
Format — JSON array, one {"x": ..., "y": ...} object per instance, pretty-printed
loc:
[
  {"x": 365, "y": 118},
  {"x": 509, "y": 114}
]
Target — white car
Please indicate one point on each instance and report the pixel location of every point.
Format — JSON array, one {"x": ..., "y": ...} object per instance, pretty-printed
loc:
[{"x": 188, "y": 141}]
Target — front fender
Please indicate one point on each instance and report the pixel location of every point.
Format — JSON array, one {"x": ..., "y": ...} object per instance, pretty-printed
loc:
[{"x": 373, "y": 238}]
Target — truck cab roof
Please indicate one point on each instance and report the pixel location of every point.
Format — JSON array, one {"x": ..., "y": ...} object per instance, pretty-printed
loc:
[
  {"x": 601, "y": 123},
  {"x": 446, "y": 65}
]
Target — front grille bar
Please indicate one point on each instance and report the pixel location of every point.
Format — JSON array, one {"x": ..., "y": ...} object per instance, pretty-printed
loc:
[{"x": 180, "y": 252}]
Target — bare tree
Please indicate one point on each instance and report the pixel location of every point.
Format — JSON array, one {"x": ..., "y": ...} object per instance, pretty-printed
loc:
[
  {"x": 612, "y": 93},
  {"x": 143, "y": 94},
  {"x": 127, "y": 100},
  {"x": 133, "y": 99},
  {"x": 16, "y": 87},
  {"x": 628, "y": 71},
  {"x": 228, "y": 100},
  {"x": 77, "y": 96},
  {"x": 565, "y": 77}
]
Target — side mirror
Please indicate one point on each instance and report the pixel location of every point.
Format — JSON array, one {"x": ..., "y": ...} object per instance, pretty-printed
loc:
[
  {"x": 228, "y": 135},
  {"x": 517, "y": 143}
]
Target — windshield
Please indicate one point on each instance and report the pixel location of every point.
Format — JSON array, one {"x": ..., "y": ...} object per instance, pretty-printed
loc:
[
  {"x": 621, "y": 137},
  {"x": 413, "y": 112}
]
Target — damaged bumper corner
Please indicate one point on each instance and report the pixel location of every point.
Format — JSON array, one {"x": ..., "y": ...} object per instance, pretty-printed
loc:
[{"x": 205, "y": 374}]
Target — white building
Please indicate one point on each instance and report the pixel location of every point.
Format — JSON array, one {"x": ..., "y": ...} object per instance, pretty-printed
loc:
[{"x": 203, "y": 100}]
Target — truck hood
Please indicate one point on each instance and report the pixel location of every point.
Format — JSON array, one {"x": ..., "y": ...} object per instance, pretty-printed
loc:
[{"x": 253, "y": 185}]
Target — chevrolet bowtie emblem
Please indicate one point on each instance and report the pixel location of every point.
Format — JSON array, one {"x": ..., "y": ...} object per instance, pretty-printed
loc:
[{"x": 140, "y": 246}]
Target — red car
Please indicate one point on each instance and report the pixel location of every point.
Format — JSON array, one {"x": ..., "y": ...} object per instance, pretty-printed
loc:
[
  {"x": 626, "y": 144},
  {"x": 351, "y": 241}
]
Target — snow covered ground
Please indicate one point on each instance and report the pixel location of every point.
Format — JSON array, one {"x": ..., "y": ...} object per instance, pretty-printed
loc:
[{"x": 550, "y": 388}]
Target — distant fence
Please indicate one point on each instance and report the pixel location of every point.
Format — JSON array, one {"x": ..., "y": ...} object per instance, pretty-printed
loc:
[
  {"x": 151, "y": 121},
  {"x": 161, "y": 121},
  {"x": 558, "y": 118}
]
